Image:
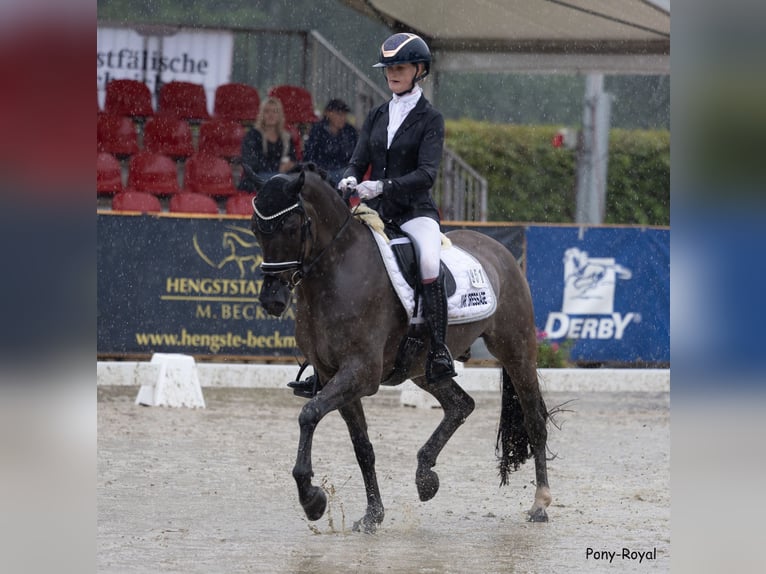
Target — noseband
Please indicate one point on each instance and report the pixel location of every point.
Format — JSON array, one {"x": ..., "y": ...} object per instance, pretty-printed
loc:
[{"x": 270, "y": 224}]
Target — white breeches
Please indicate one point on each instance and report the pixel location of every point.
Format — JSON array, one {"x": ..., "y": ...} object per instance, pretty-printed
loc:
[{"x": 427, "y": 236}]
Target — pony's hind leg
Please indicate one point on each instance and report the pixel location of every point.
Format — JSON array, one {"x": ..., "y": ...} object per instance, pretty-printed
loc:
[
  {"x": 353, "y": 414},
  {"x": 457, "y": 405},
  {"x": 523, "y": 404}
]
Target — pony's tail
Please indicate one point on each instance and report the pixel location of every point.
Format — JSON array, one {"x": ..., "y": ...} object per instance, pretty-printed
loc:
[{"x": 512, "y": 448}]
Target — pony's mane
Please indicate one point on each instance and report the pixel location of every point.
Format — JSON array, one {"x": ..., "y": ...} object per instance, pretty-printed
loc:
[{"x": 309, "y": 166}]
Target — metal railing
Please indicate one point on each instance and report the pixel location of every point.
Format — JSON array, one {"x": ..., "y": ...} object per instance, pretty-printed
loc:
[{"x": 460, "y": 191}]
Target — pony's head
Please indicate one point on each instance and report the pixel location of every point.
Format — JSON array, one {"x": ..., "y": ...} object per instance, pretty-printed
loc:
[{"x": 280, "y": 224}]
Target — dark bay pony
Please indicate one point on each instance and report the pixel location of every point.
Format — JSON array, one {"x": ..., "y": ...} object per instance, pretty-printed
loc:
[{"x": 350, "y": 322}]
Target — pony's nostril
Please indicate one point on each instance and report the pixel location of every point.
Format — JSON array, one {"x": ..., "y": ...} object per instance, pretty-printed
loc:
[{"x": 275, "y": 308}]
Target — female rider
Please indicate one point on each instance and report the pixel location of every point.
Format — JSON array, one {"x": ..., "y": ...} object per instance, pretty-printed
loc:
[{"x": 402, "y": 142}]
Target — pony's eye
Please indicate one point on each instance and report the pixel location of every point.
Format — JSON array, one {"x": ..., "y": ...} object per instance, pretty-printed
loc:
[{"x": 292, "y": 227}]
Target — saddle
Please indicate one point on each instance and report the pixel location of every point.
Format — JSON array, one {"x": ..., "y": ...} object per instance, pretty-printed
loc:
[{"x": 404, "y": 251}]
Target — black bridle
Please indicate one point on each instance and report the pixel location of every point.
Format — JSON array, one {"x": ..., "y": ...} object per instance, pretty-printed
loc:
[{"x": 270, "y": 224}]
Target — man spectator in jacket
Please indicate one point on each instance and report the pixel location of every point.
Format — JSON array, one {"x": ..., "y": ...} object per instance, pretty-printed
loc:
[{"x": 332, "y": 140}]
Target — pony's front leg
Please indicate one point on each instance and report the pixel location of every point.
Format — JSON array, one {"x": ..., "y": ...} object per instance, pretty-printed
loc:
[
  {"x": 339, "y": 392},
  {"x": 312, "y": 498},
  {"x": 353, "y": 414}
]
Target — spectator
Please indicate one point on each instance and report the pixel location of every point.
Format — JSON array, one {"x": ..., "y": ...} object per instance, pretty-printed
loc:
[
  {"x": 332, "y": 140},
  {"x": 267, "y": 149}
]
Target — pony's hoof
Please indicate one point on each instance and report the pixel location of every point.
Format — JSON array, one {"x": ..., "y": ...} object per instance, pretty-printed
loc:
[
  {"x": 427, "y": 482},
  {"x": 537, "y": 515},
  {"x": 366, "y": 525},
  {"x": 315, "y": 503}
]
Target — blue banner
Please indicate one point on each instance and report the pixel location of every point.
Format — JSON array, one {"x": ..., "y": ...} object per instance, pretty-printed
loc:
[{"x": 606, "y": 290}]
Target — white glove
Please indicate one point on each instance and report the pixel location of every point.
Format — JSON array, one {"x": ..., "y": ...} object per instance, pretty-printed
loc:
[
  {"x": 369, "y": 189},
  {"x": 347, "y": 183}
]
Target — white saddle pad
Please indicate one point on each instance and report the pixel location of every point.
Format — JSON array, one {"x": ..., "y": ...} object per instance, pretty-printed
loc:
[{"x": 474, "y": 298}]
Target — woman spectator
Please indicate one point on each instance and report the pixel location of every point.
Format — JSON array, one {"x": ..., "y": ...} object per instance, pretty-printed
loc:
[{"x": 267, "y": 149}]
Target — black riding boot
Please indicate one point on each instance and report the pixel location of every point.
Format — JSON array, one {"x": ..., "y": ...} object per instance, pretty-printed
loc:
[{"x": 439, "y": 364}]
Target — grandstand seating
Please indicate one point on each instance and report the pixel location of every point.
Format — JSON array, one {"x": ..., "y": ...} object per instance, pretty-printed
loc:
[
  {"x": 153, "y": 173},
  {"x": 108, "y": 174},
  {"x": 183, "y": 100},
  {"x": 209, "y": 175},
  {"x": 240, "y": 204},
  {"x": 129, "y": 98},
  {"x": 168, "y": 135},
  {"x": 192, "y": 203},
  {"x": 297, "y": 102},
  {"x": 238, "y": 102},
  {"x": 116, "y": 134},
  {"x": 136, "y": 201},
  {"x": 222, "y": 138},
  {"x": 148, "y": 142}
]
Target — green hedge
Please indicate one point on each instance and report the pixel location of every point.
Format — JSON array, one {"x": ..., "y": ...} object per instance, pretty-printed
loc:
[{"x": 531, "y": 181}]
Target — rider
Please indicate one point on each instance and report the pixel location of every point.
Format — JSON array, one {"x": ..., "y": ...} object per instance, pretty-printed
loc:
[{"x": 402, "y": 141}]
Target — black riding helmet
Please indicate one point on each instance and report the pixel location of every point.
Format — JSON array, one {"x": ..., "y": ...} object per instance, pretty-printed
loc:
[{"x": 404, "y": 48}]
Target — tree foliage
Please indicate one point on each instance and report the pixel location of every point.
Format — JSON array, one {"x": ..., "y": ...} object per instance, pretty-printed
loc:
[{"x": 531, "y": 181}]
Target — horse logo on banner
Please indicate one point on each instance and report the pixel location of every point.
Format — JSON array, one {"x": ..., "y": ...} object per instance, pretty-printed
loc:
[
  {"x": 589, "y": 283},
  {"x": 587, "y": 311},
  {"x": 233, "y": 241}
]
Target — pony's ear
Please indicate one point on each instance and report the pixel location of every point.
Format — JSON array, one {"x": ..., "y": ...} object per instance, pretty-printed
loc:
[
  {"x": 252, "y": 176},
  {"x": 297, "y": 184}
]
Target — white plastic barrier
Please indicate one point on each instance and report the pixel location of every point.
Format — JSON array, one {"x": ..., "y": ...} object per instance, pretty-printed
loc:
[{"x": 175, "y": 382}]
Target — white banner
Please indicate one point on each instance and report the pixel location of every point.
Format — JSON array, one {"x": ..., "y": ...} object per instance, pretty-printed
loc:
[{"x": 197, "y": 56}]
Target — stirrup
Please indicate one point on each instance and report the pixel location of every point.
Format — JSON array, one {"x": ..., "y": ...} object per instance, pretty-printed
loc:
[
  {"x": 306, "y": 388},
  {"x": 445, "y": 368}
]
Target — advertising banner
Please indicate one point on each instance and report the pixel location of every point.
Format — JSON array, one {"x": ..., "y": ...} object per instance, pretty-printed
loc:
[
  {"x": 184, "y": 285},
  {"x": 606, "y": 290},
  {"x": 197, "y": 56},
  {"x": 190, "y": 285}
]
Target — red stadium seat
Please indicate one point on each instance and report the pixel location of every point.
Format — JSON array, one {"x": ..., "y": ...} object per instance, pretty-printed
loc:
[
  {"x": 297, "y": 102},
  {"x": 168, "y": 135},
  {"x": 136, "y": 201},
  {"x": 183, "y": 100},
  {"x": 116, "y": 135},
  {"x": 108, "y": 174},
  {"x": 237, "y": 102},
  {"x": 209, "y": 175},
  {"x": 240, "y": 204},
  {"x": 128, "y": 98},
  {"x": 153, "y": 173},
  {"x": 193, "y": 203},
  {"x": 222, "y": 138}
]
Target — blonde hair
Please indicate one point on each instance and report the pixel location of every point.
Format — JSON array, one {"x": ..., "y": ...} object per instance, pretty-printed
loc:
[{"x": 283, "y": 133}]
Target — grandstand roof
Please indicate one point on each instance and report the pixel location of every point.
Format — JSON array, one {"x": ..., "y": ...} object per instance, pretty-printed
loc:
[{"x": 608, "y": 36}]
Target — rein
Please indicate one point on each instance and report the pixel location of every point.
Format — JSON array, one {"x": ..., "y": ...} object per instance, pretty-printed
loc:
[{"x": 299, "y": 267}]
